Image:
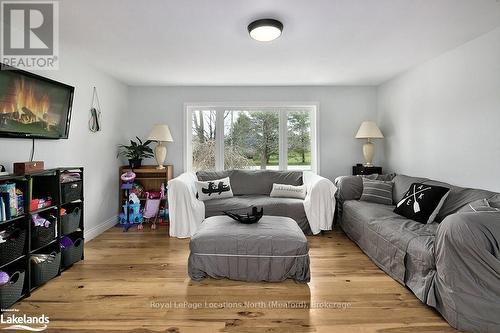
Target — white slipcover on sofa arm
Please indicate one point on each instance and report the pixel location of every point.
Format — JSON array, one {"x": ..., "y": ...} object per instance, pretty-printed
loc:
[
  {"x": 319, "y": 203},
  {"x": 185, "y": 211}
]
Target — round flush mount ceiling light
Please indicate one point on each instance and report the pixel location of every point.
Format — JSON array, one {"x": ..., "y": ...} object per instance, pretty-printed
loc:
[{"x": 265, "y": 30}]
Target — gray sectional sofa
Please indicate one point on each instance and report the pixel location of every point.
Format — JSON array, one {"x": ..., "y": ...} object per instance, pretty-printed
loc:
[{"x": 452, "y": 264}]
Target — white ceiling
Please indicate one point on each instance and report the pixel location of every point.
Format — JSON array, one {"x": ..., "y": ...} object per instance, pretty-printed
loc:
[{"x": 324, "y": 42}]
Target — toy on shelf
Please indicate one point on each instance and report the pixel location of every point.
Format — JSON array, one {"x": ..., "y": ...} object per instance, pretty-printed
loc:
[
  {"x": 163, "y": 214},
  {"x": 132, "y": 208},
  {"x": 152, "y": 206},
  {"x": 138, "y": 189}
]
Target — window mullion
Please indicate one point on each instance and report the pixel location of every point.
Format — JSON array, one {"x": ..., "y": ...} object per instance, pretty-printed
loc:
[
  {"x": 188, "y": 131},
  {"x": 219, "y": 139},
  {"x": 283, "y": 139}
]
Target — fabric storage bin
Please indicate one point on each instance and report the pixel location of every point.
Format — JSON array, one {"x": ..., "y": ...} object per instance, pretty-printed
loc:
[
  {"x": 11, "y": 292},
  {"x": 44, "y": 271},
  {"x": 71, "y": 221},
  {"x": 71, "y": 191},
  {"x": 72, "y": 254},
  {"x": 41, "y": 236},
  {"x": 13, "y": 247}
]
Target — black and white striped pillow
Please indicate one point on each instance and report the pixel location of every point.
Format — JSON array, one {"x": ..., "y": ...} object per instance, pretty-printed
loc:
[{"x": 377, "y": 191}]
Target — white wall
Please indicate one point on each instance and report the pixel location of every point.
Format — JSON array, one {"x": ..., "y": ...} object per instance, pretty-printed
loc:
[
  {"x": 96, "y": 152},
  {"x": 442, "y": 119},
  {"x": 341, "y": 111}
]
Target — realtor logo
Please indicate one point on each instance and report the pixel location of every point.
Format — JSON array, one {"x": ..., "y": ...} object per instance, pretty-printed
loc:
[
  {"x": 11, "y": 321},
  {"x": 30, "y": 34}
]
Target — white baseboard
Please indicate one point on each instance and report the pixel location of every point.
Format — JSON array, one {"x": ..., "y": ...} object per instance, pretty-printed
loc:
[{"x": 99, "y": 229}]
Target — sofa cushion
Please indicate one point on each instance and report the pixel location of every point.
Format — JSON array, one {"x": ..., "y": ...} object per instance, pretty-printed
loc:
[
  {"x": 481, "y": 205},
  {"x": 247, "y": 182},
  {"x": 401, "y": 185},
  {"x": 213, "y": 175},
  {"x": 368, "y": 211},
  {"x": 357, "y": 213},
  {"x": 288, "y": 207},
  {"x": 458, "y": 197}
]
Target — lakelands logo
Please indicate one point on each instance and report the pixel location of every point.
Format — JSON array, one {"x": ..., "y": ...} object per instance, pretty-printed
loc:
[
  {"x": 30, "y": 34},
  {"x": 24, "y": 322}
]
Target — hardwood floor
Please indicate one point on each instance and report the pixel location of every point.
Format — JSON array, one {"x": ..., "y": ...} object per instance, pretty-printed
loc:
[{"x": 137, "y": 281}]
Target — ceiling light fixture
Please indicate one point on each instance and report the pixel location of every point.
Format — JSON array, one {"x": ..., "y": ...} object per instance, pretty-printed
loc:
[{"x": 265, "y": 30}]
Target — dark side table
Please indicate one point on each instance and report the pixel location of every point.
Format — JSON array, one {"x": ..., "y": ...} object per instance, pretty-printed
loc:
[{"x": 360, "y": 169}]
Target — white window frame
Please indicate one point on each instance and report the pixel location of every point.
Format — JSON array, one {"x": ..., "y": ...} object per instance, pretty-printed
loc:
[{"x": 281, "y": 107}]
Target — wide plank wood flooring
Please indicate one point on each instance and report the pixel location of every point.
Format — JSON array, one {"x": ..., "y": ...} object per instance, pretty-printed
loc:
[{"x": 138, "y": 282}]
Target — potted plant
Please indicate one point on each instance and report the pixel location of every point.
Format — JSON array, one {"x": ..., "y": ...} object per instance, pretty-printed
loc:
[{"x": 135, "y": 152}]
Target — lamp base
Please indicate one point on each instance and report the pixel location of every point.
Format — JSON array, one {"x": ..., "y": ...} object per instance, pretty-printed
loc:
[
  {"x": 368, "y": 152},
  {"x": 160, "y": 155}
]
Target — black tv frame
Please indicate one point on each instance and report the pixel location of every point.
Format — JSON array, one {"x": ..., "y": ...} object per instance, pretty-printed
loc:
[{"x": 4, "y": 134}]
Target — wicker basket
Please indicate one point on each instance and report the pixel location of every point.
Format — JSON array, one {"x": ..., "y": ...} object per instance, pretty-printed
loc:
[
  {"x": 71, "y": 191},
  {"x": 71, "y": 221},
  {"x": 12, "y": 248},
  {"x": 72, "y": 254},
  {"x": 44, "y": 271},
  {"x": 41, "y": 236},
  {"x": 11, "y": 292}
]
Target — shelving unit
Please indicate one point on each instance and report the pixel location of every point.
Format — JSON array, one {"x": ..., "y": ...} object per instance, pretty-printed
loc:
[
  {"x": 70, "y": 202},
  {"x": 42, "y": 240},
  {"x": 12, "y": 261},
  {"x": 149, "y": 177}
]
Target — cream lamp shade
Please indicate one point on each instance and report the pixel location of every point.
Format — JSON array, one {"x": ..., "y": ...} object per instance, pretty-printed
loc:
[
  {"x": 369, "y": 130},
  {"x": 160, "y": 133}
]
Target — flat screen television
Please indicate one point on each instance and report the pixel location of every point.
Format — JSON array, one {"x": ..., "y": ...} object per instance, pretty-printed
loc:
[{"x": 32, "y": 106}]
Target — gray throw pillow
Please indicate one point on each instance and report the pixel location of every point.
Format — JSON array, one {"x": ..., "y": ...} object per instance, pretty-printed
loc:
[
  {"x": 377, "y": 191},
  {"x": 481, "y": 205}
]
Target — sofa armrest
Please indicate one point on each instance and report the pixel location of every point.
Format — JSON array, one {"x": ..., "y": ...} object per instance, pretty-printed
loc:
[
  {"x": 467, "y": 283},
  {"x": 186, "y": 212},
  {"x": 319, "y": 203},
  {"x": 349, "y": 188}
]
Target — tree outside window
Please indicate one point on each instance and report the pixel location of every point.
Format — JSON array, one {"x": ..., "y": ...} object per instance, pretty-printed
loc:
[{"x": 251, "y": 138}]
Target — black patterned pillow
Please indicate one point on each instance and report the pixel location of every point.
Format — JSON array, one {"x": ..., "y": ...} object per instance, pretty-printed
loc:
[
  {"x": 422, "y": 202},
  {"x": 377, "y": 191}
]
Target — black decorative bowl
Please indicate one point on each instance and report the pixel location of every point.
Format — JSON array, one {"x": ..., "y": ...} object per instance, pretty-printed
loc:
[{"x": 246, "y": 218}]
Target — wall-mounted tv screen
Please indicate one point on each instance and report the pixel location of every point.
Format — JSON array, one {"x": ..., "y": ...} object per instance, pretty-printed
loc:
[{"x": 32, "y": 106}]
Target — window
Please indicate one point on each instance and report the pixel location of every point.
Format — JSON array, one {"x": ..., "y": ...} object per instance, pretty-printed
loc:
[{"x": 251, "y": 137}]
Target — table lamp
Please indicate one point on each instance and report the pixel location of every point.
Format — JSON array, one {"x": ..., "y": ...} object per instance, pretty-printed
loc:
[
  {"x": 369, "y": 130},
  {"x": 161, "y": 134}
]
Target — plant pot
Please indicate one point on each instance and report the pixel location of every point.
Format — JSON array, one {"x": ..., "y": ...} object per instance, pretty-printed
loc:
[{"x": 134, "y": 163}]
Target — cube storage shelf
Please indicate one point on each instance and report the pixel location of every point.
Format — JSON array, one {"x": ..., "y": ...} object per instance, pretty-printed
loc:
[{"x": 26, "y": 240}]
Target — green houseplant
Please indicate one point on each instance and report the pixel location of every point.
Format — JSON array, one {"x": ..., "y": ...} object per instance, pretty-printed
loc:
[{"x": 135, "y": 152}]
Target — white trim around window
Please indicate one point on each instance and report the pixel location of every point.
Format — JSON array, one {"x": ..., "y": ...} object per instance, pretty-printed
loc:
[{"x": 282, "y": 107}]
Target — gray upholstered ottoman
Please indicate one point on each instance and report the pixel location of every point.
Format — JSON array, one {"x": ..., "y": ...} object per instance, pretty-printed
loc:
[{"x": 274, "y": 249}]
